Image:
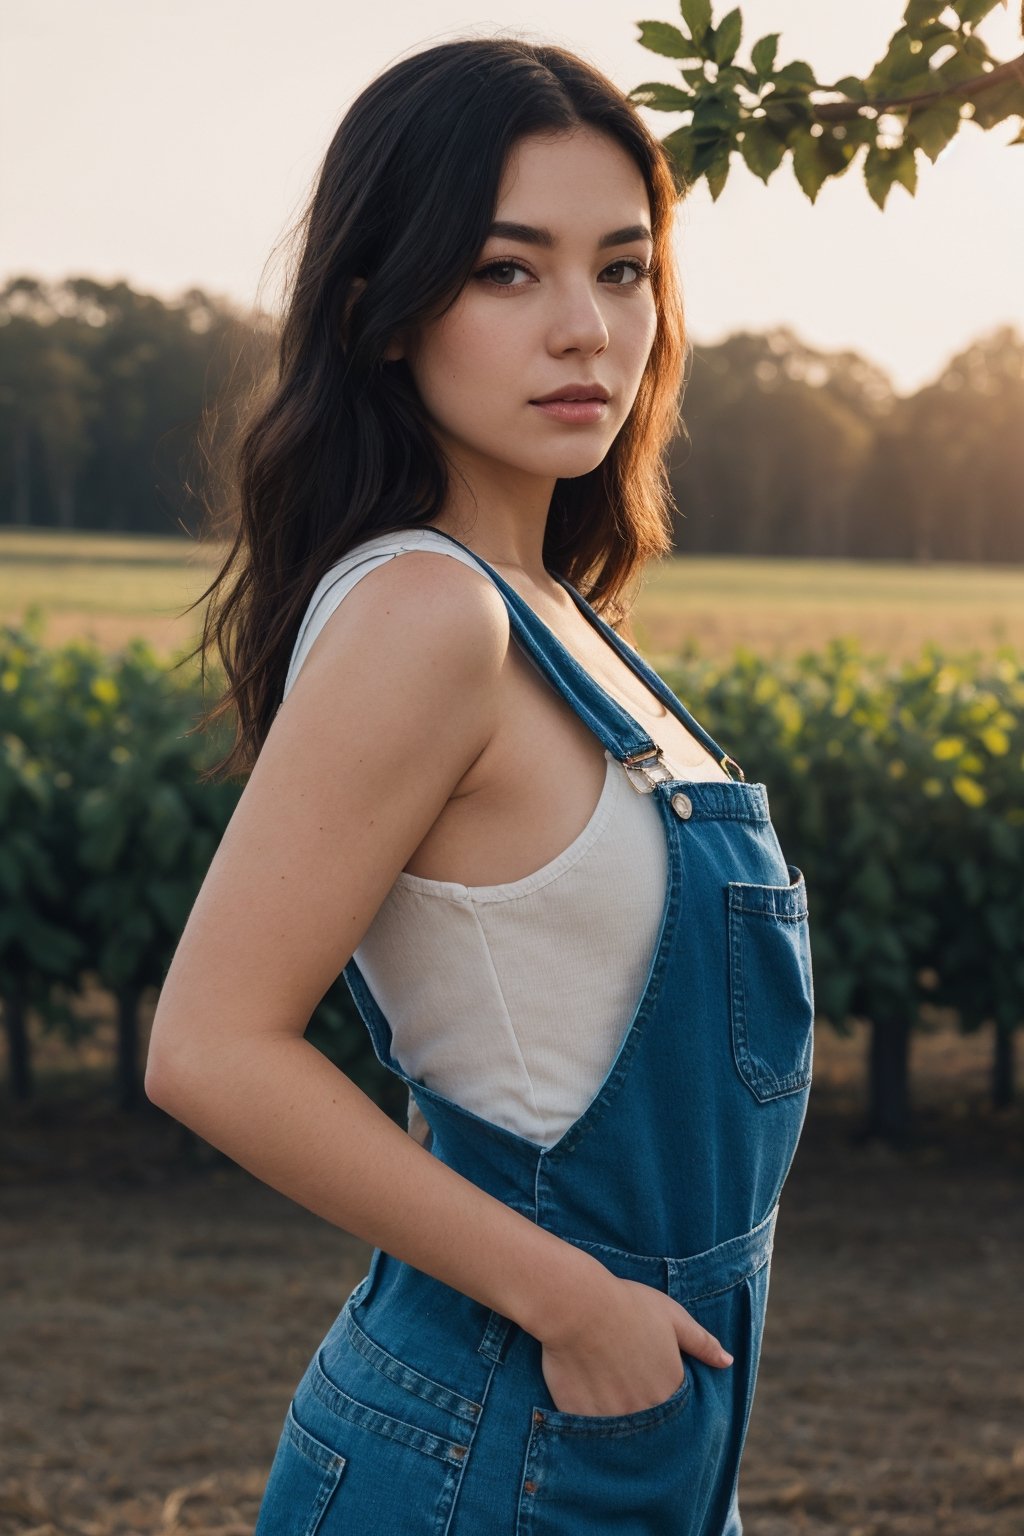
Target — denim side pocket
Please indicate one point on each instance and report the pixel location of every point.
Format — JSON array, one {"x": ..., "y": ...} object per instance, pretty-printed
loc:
[{"x": 303, "y": 1480}]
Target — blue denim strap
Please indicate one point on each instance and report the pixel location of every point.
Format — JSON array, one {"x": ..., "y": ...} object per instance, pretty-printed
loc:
[
  {"x": 655, "y": 682},
  {"x": 614, "y": 727}
]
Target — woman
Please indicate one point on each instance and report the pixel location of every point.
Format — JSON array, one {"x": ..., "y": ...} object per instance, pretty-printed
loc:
[{"x": 562, "y": 911}]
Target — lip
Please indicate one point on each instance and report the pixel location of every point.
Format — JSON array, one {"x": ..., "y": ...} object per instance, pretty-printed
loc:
[
  {"x": 580, "y": 392},
  {"x": 576, "y": 411}
]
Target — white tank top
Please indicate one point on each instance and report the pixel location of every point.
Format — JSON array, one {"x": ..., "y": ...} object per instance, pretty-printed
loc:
[{"x": 513, "y": 999}]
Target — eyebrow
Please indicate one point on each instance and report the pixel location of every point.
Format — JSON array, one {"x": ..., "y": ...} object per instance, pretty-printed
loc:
[{"x": 528, "y": 235}]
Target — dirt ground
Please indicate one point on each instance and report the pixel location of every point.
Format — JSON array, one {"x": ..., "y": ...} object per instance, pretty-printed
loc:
[{"x": 159, "y": 1305}]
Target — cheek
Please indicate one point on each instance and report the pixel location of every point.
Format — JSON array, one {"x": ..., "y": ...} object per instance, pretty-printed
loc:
[
  {"x": 640, "y": 330},
  {"x": 472, "y": 355}
]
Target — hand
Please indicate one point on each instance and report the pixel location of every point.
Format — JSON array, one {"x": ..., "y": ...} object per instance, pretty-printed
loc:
[{"x": 622, "y": 1351}]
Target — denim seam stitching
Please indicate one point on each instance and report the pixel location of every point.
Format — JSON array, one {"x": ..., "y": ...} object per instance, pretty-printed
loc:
[
  {"x": 407, "y": 1376},
  {"x": 337, "y": 1401},
  {"x": 623, "y": 1424},
  {"x": 330, "y": 1462},
  {"x": 721, "y": 1290},
  {"x": 552, "y": 1156}
]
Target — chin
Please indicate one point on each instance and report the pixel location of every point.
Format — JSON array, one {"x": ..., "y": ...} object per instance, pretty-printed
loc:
[{"x": 572, "y": 466}]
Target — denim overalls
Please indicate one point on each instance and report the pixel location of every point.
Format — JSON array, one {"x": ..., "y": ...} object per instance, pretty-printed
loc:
[{"x": 424, "y": 1412}]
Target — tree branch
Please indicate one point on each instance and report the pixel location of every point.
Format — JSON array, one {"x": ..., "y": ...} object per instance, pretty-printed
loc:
[{"x": 844, "y": 111}]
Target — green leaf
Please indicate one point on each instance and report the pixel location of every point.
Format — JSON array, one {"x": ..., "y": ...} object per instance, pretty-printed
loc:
[
  {"x": 662, "y": 38},
  {"x": 165, "y": 825},
  {"x": 903, "y": 67},
  {"x": 837, "y": 152},
  {"x": 796, "y": 74},
  {"x": 681, "y": 147},
  {"x": 955, "y": 70},
  {"x": 878, "y": 174},
  {"x": 762, "y": 55},
  {"x": 788, "y": 112},
  {"x": 935, "y": 37},
  {"x": 932, "y": 127},
  {"x": 917, "y": 84},
  {"x": 852, "y": 88},
  {"x": 905, "y": 168},
  {"x": 104, "y": 828},
  {"x": 661, "y": 98},
  {"x": 717, "y": 172},
  {"x": 697, "y": 15},
  {"x": 713, "y": 114},
  {"x": 809, "y": 165},
  {"x": 761, "y": 148},
  {"x": 919, "y": 11},
  {"x": 751, "y": 79},
  {"x": 976, "y": 48},
  {"x": 727, "y": 37},
  {"x": 861, "y": 130},
  {"x": 992, "y": 107},
  {"x": 707, "y": 155}
]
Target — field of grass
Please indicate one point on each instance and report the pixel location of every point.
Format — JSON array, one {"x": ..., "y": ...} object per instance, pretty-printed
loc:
[
  {"x": 112, "y": 587},
  {"x": 160, "y": 1305}
]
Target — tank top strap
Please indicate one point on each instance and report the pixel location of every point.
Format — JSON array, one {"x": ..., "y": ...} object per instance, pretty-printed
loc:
[{"x": 623, "y": 736}]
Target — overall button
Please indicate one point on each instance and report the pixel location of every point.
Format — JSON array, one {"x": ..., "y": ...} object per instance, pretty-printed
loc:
[{"x": 682, "y": 805}]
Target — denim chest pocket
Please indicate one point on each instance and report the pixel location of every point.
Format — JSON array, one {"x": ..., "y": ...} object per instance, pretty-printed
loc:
[{"x": 771, "y": 985}]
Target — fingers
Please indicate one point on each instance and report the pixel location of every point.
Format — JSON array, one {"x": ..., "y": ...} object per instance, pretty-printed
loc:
[{"x": 695, "y": 1340}]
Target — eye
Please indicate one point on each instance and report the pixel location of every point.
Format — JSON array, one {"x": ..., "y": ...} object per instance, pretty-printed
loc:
[
  {"x": 502, "y": 266},
  {"x": 629, "y": 264},
  {"x": 506, "y": 265}
]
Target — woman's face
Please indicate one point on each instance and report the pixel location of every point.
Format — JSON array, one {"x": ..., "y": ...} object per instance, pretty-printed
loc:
[{"x": 569, "y": 305}]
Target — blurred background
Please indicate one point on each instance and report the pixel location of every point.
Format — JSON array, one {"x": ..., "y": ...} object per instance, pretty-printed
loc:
[{"x": 844, "y": 610}]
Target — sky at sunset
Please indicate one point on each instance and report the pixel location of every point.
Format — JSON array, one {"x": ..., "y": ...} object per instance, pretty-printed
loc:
[{"x": 172, "y": 145}]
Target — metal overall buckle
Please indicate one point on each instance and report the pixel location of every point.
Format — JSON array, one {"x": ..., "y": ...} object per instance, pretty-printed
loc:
[
  {"x": 650, "y": 765},
  {"x": 654, "y": 770}
]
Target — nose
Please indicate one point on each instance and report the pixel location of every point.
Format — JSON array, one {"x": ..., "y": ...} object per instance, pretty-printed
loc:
[{"x": 577, "y": 322}]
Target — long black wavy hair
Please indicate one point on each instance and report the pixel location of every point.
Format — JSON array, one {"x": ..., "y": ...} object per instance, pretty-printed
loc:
[{"x": 334, "y": 444}]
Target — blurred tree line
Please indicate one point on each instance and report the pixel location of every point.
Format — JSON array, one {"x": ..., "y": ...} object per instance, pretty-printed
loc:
[
  {"x": 101, "y": 394},
  {"x": 792, "y": 451},
  {"x": 784, "y": 449}
]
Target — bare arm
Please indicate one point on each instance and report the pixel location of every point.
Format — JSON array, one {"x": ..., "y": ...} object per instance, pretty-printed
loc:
[{"x": 395, "y": 701}]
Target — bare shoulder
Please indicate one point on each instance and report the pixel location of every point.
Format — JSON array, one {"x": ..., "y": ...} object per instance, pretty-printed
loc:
[
  {"x": 413, "y": 657},
  {"x": 417, "y": 612}
]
